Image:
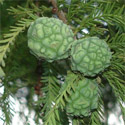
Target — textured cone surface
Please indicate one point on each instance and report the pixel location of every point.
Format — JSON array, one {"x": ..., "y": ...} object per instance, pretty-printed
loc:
[
  {"x": 84, "y": 99},
  {"x": 90, "y": 56},
  {"x": 49, "y": 38}
]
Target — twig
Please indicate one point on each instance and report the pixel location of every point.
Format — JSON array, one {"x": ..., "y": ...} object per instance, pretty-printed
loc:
[
  {"x": 39, "y": 71},
  {"x": 60, "y": 14},
  {"x": 37, "y": 4}
]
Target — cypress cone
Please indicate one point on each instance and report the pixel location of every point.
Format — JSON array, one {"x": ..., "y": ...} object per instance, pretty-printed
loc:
[
  {"x": 84, "y": 99},
  {"x": 50, "y": 38},
  {"x": 90, "y": 56}
]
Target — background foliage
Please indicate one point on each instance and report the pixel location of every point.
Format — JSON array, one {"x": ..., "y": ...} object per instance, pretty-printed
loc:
[{"x": 102, "y": 18}]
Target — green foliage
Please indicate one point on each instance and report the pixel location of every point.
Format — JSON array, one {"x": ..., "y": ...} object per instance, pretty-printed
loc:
[
  {"x": 59, "y": 101},
  {"x": 1, "y": 72},
  {"x": 100, "y": 18},
  {"x": 21, "y": 66},
  {"x": 118, "y": 87},
  {"x": 20, "y": 11},
  {"x": 1, "y": 1},
  {"x": 94, "y": 15},
  {"x": 51, "y": 87},
  {"x": 6, "y": 106},
  {"x": 98, "y": 115},
  {"x": 10, "y": 38}
]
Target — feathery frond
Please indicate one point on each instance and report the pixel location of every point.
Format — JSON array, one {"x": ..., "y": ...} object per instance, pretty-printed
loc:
[
  {"x": 51, "y": 87},
  {"x": 98, "y": 115},
  {"x": 10, "y": 38},
  {"x": 6, "y": 106},
  {"x": 101, "y": 18},
  {"x": 22, "y": 12},
  {"x": 117, "y": 83},
  {"x": 52, "y": 115}
]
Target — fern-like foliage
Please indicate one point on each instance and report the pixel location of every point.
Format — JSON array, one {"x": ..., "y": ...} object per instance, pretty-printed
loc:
[
  {"x": 99, "y": 14},
  {"x": 117, "y": 44},
  {"x": 20, "y": 11},
  {"x": 102, "y": 18},
  {"x": 117, "y": 84},
  {"x": 98, "y": 115},
  {"x": 6, "y": 106},
  {"x": 92, "y": 15},
  {"x": 115, "y": 74},
  {"x": 53, "y": 115},
  {"x": 9, "y": 38},
  {"x": 51, "y": 87}
]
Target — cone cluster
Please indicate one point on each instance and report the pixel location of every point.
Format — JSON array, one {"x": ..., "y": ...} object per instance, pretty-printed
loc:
[{"x": 51, "y": 39}]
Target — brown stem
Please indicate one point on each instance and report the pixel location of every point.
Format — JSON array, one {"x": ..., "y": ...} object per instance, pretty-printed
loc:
[
  {"x": 39, "y": 85},
  {"x": 60, "y": 14},
  {"x": 37, "y": 4}
]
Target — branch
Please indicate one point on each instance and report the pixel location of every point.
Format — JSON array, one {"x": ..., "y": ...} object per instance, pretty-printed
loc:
[
  {"x": 60, "y": 14},
  {"x": 37, "y": 4}
]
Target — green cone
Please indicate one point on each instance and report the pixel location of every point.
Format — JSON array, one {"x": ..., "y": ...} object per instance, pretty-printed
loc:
[
  {"x": 84, "y": 99},
  {"x": 90, "y": 56},
  {"x": 50, "y": 38}
]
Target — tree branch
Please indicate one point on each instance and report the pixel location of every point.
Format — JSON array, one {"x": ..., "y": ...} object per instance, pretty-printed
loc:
[
  {"x": 37, "y": 4},
  {"x": 60, "y": 14}
]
